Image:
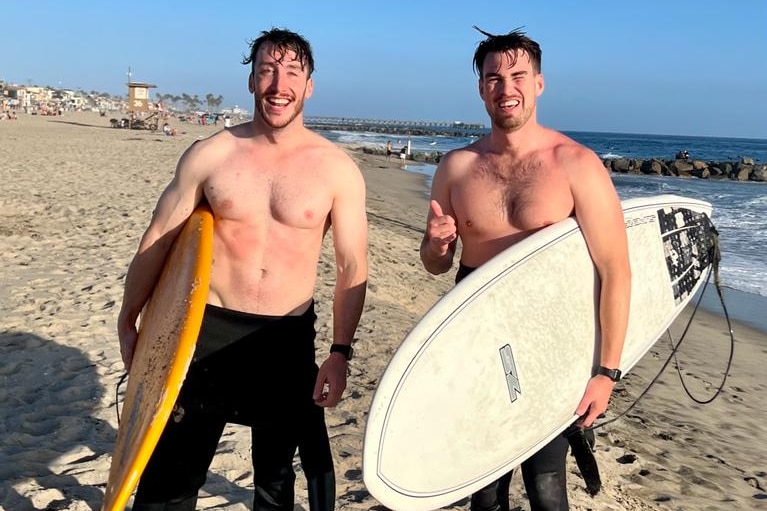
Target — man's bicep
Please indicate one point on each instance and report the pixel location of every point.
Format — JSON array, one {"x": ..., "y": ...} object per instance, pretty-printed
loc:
[
  {"x": 176, "y": 202},
  {"x": 349, "y": 219},
  {"x": 599, "y": 213}
]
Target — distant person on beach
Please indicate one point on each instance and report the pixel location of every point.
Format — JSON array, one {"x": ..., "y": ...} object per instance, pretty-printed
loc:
[
  {"x": 167, "y": 130},
  {"x": 275, "y": 189},
  {"x": 516, "y": 180},
  {"x": 389, "y": 150},
  {"x": 403, "y": 155}
]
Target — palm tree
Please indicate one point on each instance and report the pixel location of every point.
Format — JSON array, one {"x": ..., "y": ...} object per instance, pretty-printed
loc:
[
  {"x": 186, "y": 98},
  {"x": 213, "y": 101}
]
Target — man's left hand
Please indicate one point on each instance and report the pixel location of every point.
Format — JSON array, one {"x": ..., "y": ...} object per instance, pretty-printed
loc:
[
  {"x": 331, "y": 381},
  {"x": 595, "y": 400}
]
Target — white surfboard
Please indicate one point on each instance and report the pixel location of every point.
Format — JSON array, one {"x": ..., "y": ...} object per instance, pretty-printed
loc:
[{"x": 496, "y": 368}]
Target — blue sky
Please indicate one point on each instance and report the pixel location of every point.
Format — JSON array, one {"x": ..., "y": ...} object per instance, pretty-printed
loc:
[{"x": 682, "y": 67}]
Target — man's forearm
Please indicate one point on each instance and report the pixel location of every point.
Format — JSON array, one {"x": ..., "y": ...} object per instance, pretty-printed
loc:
[
  {"x": 143, "y": 273},
  {"x": 349, "y": 297},
  {"x": 615, "y": 297},
  {"x": 347, "y": 310}
]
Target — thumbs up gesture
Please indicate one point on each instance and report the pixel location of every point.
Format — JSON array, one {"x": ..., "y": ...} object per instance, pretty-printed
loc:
[{"x": 441, "y": 230}]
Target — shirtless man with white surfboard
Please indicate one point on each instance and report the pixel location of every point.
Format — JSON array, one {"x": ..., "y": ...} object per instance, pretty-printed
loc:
[{"x": 515, "y": 181}]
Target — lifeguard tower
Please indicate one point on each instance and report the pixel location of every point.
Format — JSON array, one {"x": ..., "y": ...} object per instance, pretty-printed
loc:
[
  {"x": 138, "y": 101},
  {"x": 138, "y": 96}
]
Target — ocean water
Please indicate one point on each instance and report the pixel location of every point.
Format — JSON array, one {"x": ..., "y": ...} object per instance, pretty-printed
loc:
[
  {"x": 606, "y": 145},
  {"x": 665, "y": 147},
  {"x": 739, "y": 208}
]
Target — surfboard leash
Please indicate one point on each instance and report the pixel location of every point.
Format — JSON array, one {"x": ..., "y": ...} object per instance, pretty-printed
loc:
[
  {"x": 715, "y": 256},
  {"x": 117, "y": 395}
]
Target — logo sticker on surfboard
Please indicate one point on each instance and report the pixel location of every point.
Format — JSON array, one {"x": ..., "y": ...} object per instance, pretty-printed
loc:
[{"x": 512, "y": 379}]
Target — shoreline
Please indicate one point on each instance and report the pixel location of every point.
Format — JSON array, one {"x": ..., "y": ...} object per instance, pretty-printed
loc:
[
  {"x": 742, "y": 308},
  {"x": 77, "y": 196}
]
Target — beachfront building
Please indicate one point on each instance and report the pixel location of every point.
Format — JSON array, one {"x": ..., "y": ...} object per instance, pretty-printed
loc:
[
  {"x": 106, "y": 103},
  {"x": 39, "y": 100},
  {"x": 39, "y": 94},
  {"x": 69, "y": 99},
  {"x": 9, "y": 97}
]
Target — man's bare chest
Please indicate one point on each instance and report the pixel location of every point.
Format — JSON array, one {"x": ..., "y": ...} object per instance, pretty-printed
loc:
[
  {"x": 295, "y": 197},
  {"x": 525, "y": 197}
]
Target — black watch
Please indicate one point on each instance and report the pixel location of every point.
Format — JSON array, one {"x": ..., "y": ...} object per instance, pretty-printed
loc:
[
  {"x": 613, "y": 374},
  {"x": 345, "y": 350}
]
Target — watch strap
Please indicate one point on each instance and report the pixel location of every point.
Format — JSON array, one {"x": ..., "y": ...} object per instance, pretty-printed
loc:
[
  {"x": 344, "y": 349},
  {"x": 613, "y": 374}
]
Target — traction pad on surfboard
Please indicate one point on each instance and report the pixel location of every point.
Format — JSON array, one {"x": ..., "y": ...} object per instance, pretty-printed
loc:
[{"x": 689, "y": 247}]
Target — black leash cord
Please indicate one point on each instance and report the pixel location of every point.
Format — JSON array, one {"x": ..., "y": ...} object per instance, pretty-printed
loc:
[
  {"x": 117, "y": 395},
  {"x": 715, "y": 257}
]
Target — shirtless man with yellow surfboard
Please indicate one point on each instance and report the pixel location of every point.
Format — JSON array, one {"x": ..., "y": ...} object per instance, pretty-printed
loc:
[{"x": 274, "y": 188}]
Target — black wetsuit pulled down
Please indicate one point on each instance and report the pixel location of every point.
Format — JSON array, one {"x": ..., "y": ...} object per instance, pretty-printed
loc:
[
  {"x": 543, "y": 473},
  {"x": 254, "y": 370}
]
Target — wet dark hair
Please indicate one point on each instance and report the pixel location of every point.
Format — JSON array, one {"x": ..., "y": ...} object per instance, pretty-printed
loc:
[
  {"x": 283, "y": 40},
  {"x": 515, "y": 40}
]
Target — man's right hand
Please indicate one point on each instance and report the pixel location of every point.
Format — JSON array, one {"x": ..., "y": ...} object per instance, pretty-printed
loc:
[
  {"x": 441, "y": 230},
  {"x": 128, "y": 336}
]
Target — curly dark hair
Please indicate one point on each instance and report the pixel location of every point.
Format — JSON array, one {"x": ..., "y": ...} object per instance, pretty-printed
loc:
[
  {"x": 515, "y": 40},
  {"x": 283, "y": 40}
]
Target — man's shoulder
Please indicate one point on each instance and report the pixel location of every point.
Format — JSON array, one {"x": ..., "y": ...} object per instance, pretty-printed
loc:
[
  {"x": 201, "y": 146},
  {"x": 329, "y": 154},
  {"x": 577, "y": 161},
  {"x": 463, "y": 156},
  {"x": 218, "y": 140},
  {"x": 204, "y": 154},
  {"x": 338, "y": 169},
  {"x": 453, "y": 165},
  {"x": 318, "y": 142},
  {"x": 570, "y": 153}
]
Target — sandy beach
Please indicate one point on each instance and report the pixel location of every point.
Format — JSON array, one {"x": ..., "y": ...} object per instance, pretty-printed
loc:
[{"x": 76, "y": 197}]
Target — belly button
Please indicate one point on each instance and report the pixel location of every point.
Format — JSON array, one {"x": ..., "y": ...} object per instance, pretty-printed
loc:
[{"x": 468, "y": 223}]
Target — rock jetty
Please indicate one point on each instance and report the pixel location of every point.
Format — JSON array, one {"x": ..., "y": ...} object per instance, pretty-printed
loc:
[{"x": 745, "y": 169}]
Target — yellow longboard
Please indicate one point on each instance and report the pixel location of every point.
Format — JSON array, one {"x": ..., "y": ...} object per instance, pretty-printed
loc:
[{"x": 168, "y": 333}]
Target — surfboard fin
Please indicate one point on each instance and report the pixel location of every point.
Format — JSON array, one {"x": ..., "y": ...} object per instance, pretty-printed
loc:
[{"x": 582, "y": 444}]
